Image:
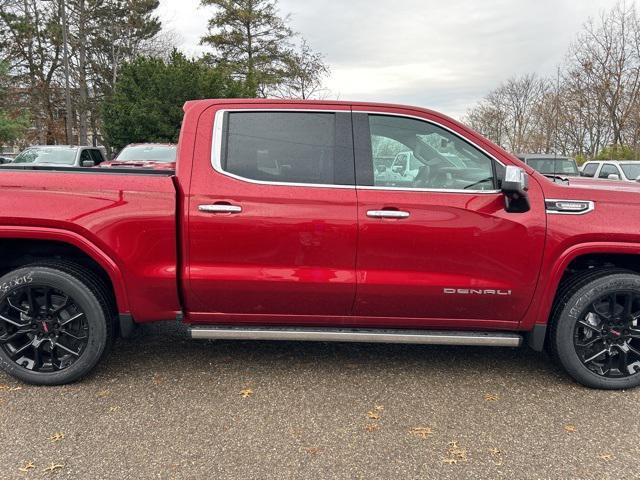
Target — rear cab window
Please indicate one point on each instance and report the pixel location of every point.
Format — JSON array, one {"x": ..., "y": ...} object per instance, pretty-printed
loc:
[{"x": 305, "y": 148}]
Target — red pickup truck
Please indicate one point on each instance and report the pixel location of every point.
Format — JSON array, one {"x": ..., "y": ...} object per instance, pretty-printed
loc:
[{"x": 282, "y": 221}]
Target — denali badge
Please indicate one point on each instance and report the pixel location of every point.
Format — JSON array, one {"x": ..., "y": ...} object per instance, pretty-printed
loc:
[{"x": 472, "y": 291}]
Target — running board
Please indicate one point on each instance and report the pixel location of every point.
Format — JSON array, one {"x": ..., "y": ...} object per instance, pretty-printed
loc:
[{"x": 424, "y": 337}]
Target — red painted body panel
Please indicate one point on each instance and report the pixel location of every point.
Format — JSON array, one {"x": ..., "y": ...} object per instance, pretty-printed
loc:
[
  {"x": 291, "y": 251},
  {"x": 309, "y": 255},
  {"x": 125, "y": 222}
]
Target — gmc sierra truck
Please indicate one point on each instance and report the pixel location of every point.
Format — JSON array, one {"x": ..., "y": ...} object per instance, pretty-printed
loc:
[{"x": 277, "y": 225}]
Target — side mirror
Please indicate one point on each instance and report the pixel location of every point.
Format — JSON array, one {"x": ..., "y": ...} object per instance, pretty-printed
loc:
[
  {"x": 514, "y": 187},
  {"x": 638, "y": 179},
  {"x": 614, "y": 176},
  {"x": 87, "y": 163}
]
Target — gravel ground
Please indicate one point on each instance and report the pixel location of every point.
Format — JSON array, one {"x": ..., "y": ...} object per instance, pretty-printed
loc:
[{"x": 163, "y": 406}]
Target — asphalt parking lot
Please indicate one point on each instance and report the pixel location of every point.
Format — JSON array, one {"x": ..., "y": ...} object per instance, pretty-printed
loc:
[{"x": 163, "y": 406}]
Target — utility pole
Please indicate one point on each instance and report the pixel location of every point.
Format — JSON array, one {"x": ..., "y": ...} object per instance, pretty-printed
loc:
[{"x": 65, "y": 58}]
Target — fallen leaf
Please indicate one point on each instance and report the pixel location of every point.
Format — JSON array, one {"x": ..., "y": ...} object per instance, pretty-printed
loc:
[
  {"x": 570, "y": 428},
  {"x": 422, "y": 432},
  {"x": 497, "y": 454},
  {"x": 449, "y": 461},
  {"x": 456, "y": 453},
  {"x": 56, "y": 437},
  {"x": 114, "y": 408},
  {"x": 103, "y": 394},
  {"x": 491, "y": 397},
  {"x": 313, "y": 450},
  {"x": 158, "y": 379},
  {"x": 373, "y": 415},
  {"x": 372, "y": 427},
  {"x": 607, "y": 457},
  {"x": 53, "y": 467},
  {"x": 15, "y": 389},
  {"x": 27, "y": 466},
  {"x": 246, "y": 393},
  {"x": 379, "y": 408}
]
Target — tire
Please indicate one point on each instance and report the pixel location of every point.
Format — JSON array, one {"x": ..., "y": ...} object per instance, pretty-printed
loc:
[
  {"x": 65, "y": 311},
  {"x": 592, "y": 315}
]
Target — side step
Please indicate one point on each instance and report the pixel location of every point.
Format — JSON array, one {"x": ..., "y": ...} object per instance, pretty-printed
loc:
[{"x": 425, "y": 337}]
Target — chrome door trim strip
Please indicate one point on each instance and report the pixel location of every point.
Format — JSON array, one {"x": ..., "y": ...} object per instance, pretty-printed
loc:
[
  {"x": 216, "y": 148},
  {"x": 216, "y": 151}
]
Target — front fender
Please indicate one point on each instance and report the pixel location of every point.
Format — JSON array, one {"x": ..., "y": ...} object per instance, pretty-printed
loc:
[{"x": 551, "y": 281}]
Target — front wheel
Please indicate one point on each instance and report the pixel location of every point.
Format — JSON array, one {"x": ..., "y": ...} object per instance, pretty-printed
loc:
[
  {"x": 595, "y": 331},
  {"x": 55, "y": 323}
]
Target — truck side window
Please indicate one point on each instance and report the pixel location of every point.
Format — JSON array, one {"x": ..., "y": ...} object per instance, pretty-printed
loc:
[
  {"x": 609, "y": 169},
  {"x": 96, "y": 156},
  {"x": 409, "y": 153},
  {"x": 589, "y": 169},
  {"x": 289, "y": 147}
]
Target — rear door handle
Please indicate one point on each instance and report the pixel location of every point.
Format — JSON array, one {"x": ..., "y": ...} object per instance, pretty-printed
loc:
[
  {"x": 387, "y": 214},
  {"x": 220, "y": 208}
]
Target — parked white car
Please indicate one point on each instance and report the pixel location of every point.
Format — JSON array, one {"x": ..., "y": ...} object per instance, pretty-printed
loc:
[
  {"x": 60, "y": 155},
  {"x": 627, "y": 170}
]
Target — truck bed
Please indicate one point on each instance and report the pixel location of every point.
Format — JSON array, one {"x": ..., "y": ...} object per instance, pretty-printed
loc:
[{"x": 127, "y": 216}]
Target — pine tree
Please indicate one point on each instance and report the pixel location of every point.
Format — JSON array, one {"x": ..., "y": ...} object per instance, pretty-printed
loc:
[{"x": 251, "y": 39}]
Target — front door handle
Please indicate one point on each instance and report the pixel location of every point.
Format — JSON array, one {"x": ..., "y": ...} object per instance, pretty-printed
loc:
[
  {"x": 387, "y": 214},
  {"x": 220, "y": 208}
]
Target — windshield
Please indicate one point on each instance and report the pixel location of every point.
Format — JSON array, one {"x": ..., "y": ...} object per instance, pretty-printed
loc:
[
  {"x": 554, "y": 166},
  {"x": 148, "y": 153},
  {"x": 631, "y": 170},
  {"x": 55, "y": 155}
]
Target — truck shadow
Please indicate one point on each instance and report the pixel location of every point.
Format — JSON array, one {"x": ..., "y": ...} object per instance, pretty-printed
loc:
[{"x": 165, "y": 348}]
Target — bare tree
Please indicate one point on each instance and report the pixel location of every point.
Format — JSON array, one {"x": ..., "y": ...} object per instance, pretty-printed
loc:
[
  {"x": 304, "y": 73},
  {"x": 606, "y": 57},
  {"x": 507, "y": 114}
]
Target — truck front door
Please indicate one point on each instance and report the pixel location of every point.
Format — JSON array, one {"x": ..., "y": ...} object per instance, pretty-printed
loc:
[{"x": 438, "y": 246}]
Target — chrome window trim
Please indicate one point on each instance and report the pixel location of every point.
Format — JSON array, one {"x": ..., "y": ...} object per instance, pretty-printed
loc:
[
  {"x": 216, "y": 151},
  {"x": 591, "y": 206},
  {"x": 216, "y": 147}
]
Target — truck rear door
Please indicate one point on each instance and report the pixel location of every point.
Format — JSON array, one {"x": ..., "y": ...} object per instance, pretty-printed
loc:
[{"x": 272, "y": 215}]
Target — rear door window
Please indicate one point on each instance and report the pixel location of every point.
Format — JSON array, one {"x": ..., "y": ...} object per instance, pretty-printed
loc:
[{"x": 289, "y": 147}]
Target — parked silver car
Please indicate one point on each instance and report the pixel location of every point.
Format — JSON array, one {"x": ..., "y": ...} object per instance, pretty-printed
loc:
[
  {"x": 550, "y": 164},
  {"x": 627, "y": 170},
  {"x": 60, "y": 155}
]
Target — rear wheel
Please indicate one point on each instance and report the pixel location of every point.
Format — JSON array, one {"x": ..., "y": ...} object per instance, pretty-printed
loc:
[
  {"x": 55, "y": 323},
  {"x": 595, "y": 331}
]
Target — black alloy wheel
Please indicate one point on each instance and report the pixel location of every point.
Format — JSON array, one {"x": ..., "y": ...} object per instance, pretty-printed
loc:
[
  {"x": 42, "y": 329},
  {"x": 607, "y": 336},
  {"x": 56, "y": 322}
]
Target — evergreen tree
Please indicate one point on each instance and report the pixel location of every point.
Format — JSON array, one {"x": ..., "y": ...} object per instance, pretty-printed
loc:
[
  {"x": 12, "y": 122},
  {"x": 251, "y": 39},
  {"x": 150, "y": 92}
]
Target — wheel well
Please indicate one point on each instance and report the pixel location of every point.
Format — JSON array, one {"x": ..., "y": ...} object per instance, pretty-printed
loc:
[
  {"x": 15, "y": 253},
  {"x": 578, "y": 268},
  {"x": 601, "y": 260}
]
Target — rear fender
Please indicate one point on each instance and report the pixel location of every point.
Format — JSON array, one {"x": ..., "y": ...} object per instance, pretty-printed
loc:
[{"x": 78, "y": 241}]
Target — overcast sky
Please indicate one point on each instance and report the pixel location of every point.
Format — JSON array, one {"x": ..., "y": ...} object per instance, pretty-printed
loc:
[{"x": 444, "y": 55}]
